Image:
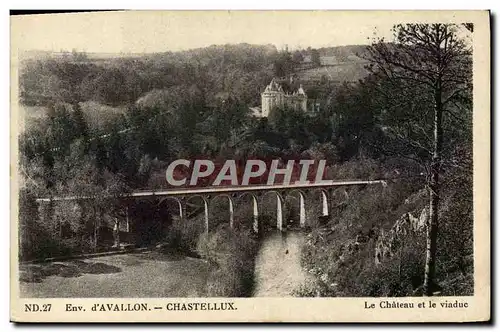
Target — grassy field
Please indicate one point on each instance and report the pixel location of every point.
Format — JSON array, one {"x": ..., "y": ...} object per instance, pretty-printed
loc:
[
  {"x": 131, "y": 275},
  {"x": 349, "y": 72},
  {"x": 96, "y": 114}
]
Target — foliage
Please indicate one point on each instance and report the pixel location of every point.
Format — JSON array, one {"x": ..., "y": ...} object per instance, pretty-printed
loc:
[
  {"x": 230, "y": 68},
  {"x": 340, "y": 271},
  {"x": 315, "y": 58},
  {"x": 183, "y": 236},
  {"x": 436, "y": 61},
  {"x": 114, "y": 126},
  {"x": 233, "y": 255}
]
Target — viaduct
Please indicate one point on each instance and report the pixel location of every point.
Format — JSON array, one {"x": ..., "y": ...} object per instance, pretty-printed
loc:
[{"x": 256, "y": 192}]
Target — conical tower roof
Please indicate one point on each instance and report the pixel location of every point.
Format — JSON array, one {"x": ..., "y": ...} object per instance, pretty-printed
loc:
[
  {"x": 274, "y": 86},
  {"x": 301, "y": 91}
]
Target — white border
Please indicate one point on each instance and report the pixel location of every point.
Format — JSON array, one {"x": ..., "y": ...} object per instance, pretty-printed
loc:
[{"x": 187, "y": 4}]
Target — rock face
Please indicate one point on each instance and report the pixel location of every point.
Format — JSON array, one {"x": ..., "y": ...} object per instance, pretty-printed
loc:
[{"x": 409, "y": 223}]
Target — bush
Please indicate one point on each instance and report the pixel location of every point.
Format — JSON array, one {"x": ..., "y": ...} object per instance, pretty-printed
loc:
[
  {"x": 455, "y": 249},
  {"x": 62, "y": 228},
  {"x": 342, "y": 268},
  {"x": 39, "y": 237},
  {"x": 232, "y": 254},
  {"x": 183, "y": 235},
  {"x": 401, "y": 275}
]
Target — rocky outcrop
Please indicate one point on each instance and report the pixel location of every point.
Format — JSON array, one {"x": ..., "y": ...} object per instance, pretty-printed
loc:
[
  {"x": 418, "y": 197},
  {"x": 410, "y": 223},
  {"x": 387, "y": 243}
]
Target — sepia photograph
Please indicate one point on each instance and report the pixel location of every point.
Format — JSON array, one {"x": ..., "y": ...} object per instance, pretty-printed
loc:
[{"x": 261, "y": 154}]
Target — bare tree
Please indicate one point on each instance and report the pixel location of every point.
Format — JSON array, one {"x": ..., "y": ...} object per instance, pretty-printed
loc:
[{"x": 427, "y": 75}]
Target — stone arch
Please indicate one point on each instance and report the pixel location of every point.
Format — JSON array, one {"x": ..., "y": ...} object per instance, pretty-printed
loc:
[
  {"x": 302, "y": 205},
  {"x": 180, "y": 205},
  {"x": 324, "y": 201},
  {"x": 255, "y": 205},
  {"x": 230, "y": 205},
  {"x": 280, "y": 204},
  {"x": 205, "y": 207}
]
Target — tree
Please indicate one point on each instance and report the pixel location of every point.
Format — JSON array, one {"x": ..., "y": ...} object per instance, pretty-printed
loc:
[
  {"x": 315, "y": 58},
  {"x": 85, "y": 179},
  {"x": 283, "y": 65},
  {"x": 429, "y": 65},
  {"x": 353, "y": 114},
  {"x": 79, "y": 123},
  {"x": 297, "y": 57}
]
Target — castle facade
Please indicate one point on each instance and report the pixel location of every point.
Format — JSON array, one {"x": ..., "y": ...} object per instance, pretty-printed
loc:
[{"x": 275, "y": 97}]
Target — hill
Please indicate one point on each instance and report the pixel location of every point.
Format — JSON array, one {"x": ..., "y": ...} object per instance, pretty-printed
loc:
[
  {"x": 338, "y": 64},
  {"x": 240, "y": 71}
]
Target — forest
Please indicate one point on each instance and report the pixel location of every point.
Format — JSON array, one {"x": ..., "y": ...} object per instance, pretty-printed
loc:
[{"x": 112, "y": 126}]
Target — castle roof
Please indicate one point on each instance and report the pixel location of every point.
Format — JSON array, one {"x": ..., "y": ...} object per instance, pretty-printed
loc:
[
  {"x": 301, "y": 91},
  {"x": 274, "y": 86}
]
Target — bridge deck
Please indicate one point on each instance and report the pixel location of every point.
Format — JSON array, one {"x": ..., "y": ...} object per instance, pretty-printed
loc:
[{"x": 217, "y": 190}]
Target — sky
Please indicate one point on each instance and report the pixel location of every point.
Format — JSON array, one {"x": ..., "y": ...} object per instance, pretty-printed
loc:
[{"x": 152, "y": 31}]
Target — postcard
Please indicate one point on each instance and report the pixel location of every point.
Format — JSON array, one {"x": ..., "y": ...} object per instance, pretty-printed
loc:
[{"x": 250, "y": 166}]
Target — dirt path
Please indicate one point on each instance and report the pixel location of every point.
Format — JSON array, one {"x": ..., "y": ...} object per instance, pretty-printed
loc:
[{"x": 277, "y": 269}]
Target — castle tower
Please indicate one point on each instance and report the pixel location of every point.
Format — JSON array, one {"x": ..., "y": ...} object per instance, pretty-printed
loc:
[
  {"x": 272, "y": 97},
  {"x": 302, "y": 97}
]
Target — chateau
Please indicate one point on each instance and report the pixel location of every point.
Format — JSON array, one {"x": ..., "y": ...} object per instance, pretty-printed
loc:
[{"x": 274, "y": 96}]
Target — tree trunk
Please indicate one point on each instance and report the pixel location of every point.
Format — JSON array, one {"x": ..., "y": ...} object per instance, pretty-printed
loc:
[
  {"x": 95, "y": 235},
  {"x": 59, "y": 219},
  {"x": 97, "y": 215},
  {"x": 432, "y": 231},
  {"x": 432, "y": 225},
  {"x": 116, "y": 233}
]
